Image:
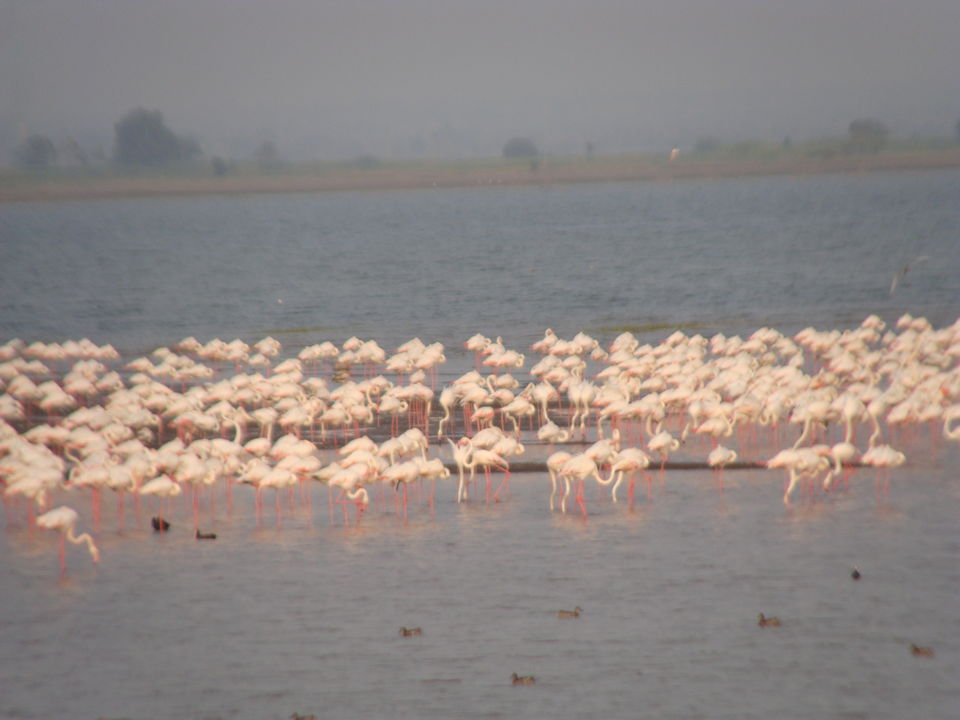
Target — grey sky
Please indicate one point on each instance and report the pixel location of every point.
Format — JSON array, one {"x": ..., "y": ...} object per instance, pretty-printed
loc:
[{"x": 336, "y": 78}]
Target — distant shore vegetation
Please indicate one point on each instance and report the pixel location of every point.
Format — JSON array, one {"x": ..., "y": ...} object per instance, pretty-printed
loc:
[{"x": 149, "y": 158}]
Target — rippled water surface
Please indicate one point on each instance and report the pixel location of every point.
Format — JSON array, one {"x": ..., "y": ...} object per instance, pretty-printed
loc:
[{"x": 304, "y": 615}]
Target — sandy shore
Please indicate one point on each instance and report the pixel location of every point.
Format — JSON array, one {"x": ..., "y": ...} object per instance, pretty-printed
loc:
[{"x": 549, "y": 172}]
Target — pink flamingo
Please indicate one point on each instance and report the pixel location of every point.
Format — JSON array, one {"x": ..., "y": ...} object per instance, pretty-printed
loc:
[
  {"x": 579, "y": 467},
  {"x": 628, "y": 461},
  {"x": 555, "y": 462},
  {"x": 487, "y": 459},
  {"x": 64, "y": 519}
]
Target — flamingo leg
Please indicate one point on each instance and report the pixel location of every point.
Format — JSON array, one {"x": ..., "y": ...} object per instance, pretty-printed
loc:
[
  {"x": 194, "y": 492},
  {"x": 505, "y": 481},
  {"x": 63, "y": 555}
]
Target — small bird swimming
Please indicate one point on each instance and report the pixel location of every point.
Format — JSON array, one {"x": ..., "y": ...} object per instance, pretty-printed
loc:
[
  {"x": 205, "y": 535},
  {"x": 410, "y": 632},
  {"x": 855, "y": 573},
  {"x": 764, "y": 621},
  {"x": 921, "y": 651},
  {"x": 159, "y": 524},
  {"x": 570, "y": 613},
  {"x": 523, "y": 679}
]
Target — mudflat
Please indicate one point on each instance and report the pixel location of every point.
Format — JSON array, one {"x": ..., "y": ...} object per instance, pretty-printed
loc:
[{"x": 546, "y": 171}]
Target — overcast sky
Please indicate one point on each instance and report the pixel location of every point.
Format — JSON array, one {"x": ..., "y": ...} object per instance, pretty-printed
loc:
[{"x": 339, "y": 78}]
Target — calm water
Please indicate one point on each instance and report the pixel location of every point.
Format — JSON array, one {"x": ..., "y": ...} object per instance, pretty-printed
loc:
[{"x": 268, "y": 620}]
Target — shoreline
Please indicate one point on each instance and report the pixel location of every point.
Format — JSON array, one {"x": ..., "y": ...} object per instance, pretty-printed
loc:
[{"x": 551, "y": 171}]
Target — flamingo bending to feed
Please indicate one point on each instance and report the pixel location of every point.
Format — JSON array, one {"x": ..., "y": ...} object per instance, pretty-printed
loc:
[
  {"x": 487, "y": 459},
  {"x": 554, "y": 464},
  {"x": 627, "y": 462},
  {"x": 663, "y": 443},
  {"x": 579, "y": 467},
  {"x": 883, "y": 457},
  {"x": 719, "y": 458},
  {"x": 842, "y": 452},
  {"x": 552, "y": 433},
  {"x": 64, "y": 519}
]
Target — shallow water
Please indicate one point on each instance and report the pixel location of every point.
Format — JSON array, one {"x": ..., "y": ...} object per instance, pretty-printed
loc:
[{"x": 304, "y": 616}]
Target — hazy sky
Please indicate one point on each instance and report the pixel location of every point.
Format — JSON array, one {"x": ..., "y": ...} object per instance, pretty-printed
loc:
[{"x": 338, "y": 78}]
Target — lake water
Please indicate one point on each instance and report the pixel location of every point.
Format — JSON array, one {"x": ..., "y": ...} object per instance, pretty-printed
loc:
[{"x": 304, "y": 616}]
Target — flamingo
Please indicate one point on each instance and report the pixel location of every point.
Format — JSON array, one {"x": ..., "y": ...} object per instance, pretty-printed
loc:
[
  {"x": 401, "y": 473},
  {"x": 663, "y": 443},
  {"x": 487, "y": 459},
  {"x": 554, "y": 463},
  {"x": 550, "y": 432},
  {"x": 433, "y": 470},
  {"x": 628, "y": 461},
  {"x": 841, "y": 452},
  {"x": 719, "y": 458},
  {"x": 581, "y": 395},
  {"x": 579, "y": 467},
  {"x": 805, "y": 462},
  {"x": 64, "y": 519},
  {"x": 883, "y": 457},
  {"x": 461, "y": 453},
  {"x": 448, "y": 399}
]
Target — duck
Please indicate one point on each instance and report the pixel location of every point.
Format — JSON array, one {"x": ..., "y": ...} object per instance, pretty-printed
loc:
[
  {"x": 523, "y": 679},
  {"x": 159, "y": 524},
  {"x": 921, "y": 651},
  {"x": 205, "y": 535},
  {"x": 298, "y": 716},
  {"x": 570, "y": 613},
  {"x": 855, "y": 573},
  {"x": 764, "y": 621},
  {"x": 410, "y": 632}
]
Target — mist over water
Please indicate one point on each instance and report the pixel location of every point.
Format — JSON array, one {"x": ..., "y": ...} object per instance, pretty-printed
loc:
[
  {"x": 338, "y": 79},
  {"x": 304, "y": 616}
]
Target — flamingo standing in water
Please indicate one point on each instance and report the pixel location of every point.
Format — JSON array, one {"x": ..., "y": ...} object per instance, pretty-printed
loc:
[
  {"x": 486, "y": 459},
  {"x": 579, "y": 467},
  {"x": 64, "y": 519},
  {"x": 663, "y": 443},
  {"x": 719, "y": 458},
  {"x": 554, "y": 463},
  {"x": 627, "y": 462},
  {"x": 841, "y": 452},
  {"x": 461, "y": 453},
  {"x": 883, "y": 457}
]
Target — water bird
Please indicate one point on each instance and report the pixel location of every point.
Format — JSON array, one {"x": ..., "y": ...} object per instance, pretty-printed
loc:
[
  {"x": 410, "y": 632},
  {"x": 205, "y": 535},
  {"x": 855, "y": 573},
  {"x": 159, "y": 524},
  {"x": 523, "y": 679},
  {"x": 921, "y": 651},
  {"x": 575, "y": 613},
  {"x": 298, "y": 716},
  {"x": 64, "y": 519},
  {"x": 764, "y": 621}
]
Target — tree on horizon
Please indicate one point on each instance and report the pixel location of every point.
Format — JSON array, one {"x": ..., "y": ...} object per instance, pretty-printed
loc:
[
  {"x": 36, "y": 152},
  {"x": 142, "y": 138}
]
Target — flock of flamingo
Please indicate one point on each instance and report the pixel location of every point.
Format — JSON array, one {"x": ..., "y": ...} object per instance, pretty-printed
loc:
[{"x": 195, "y": 419}]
